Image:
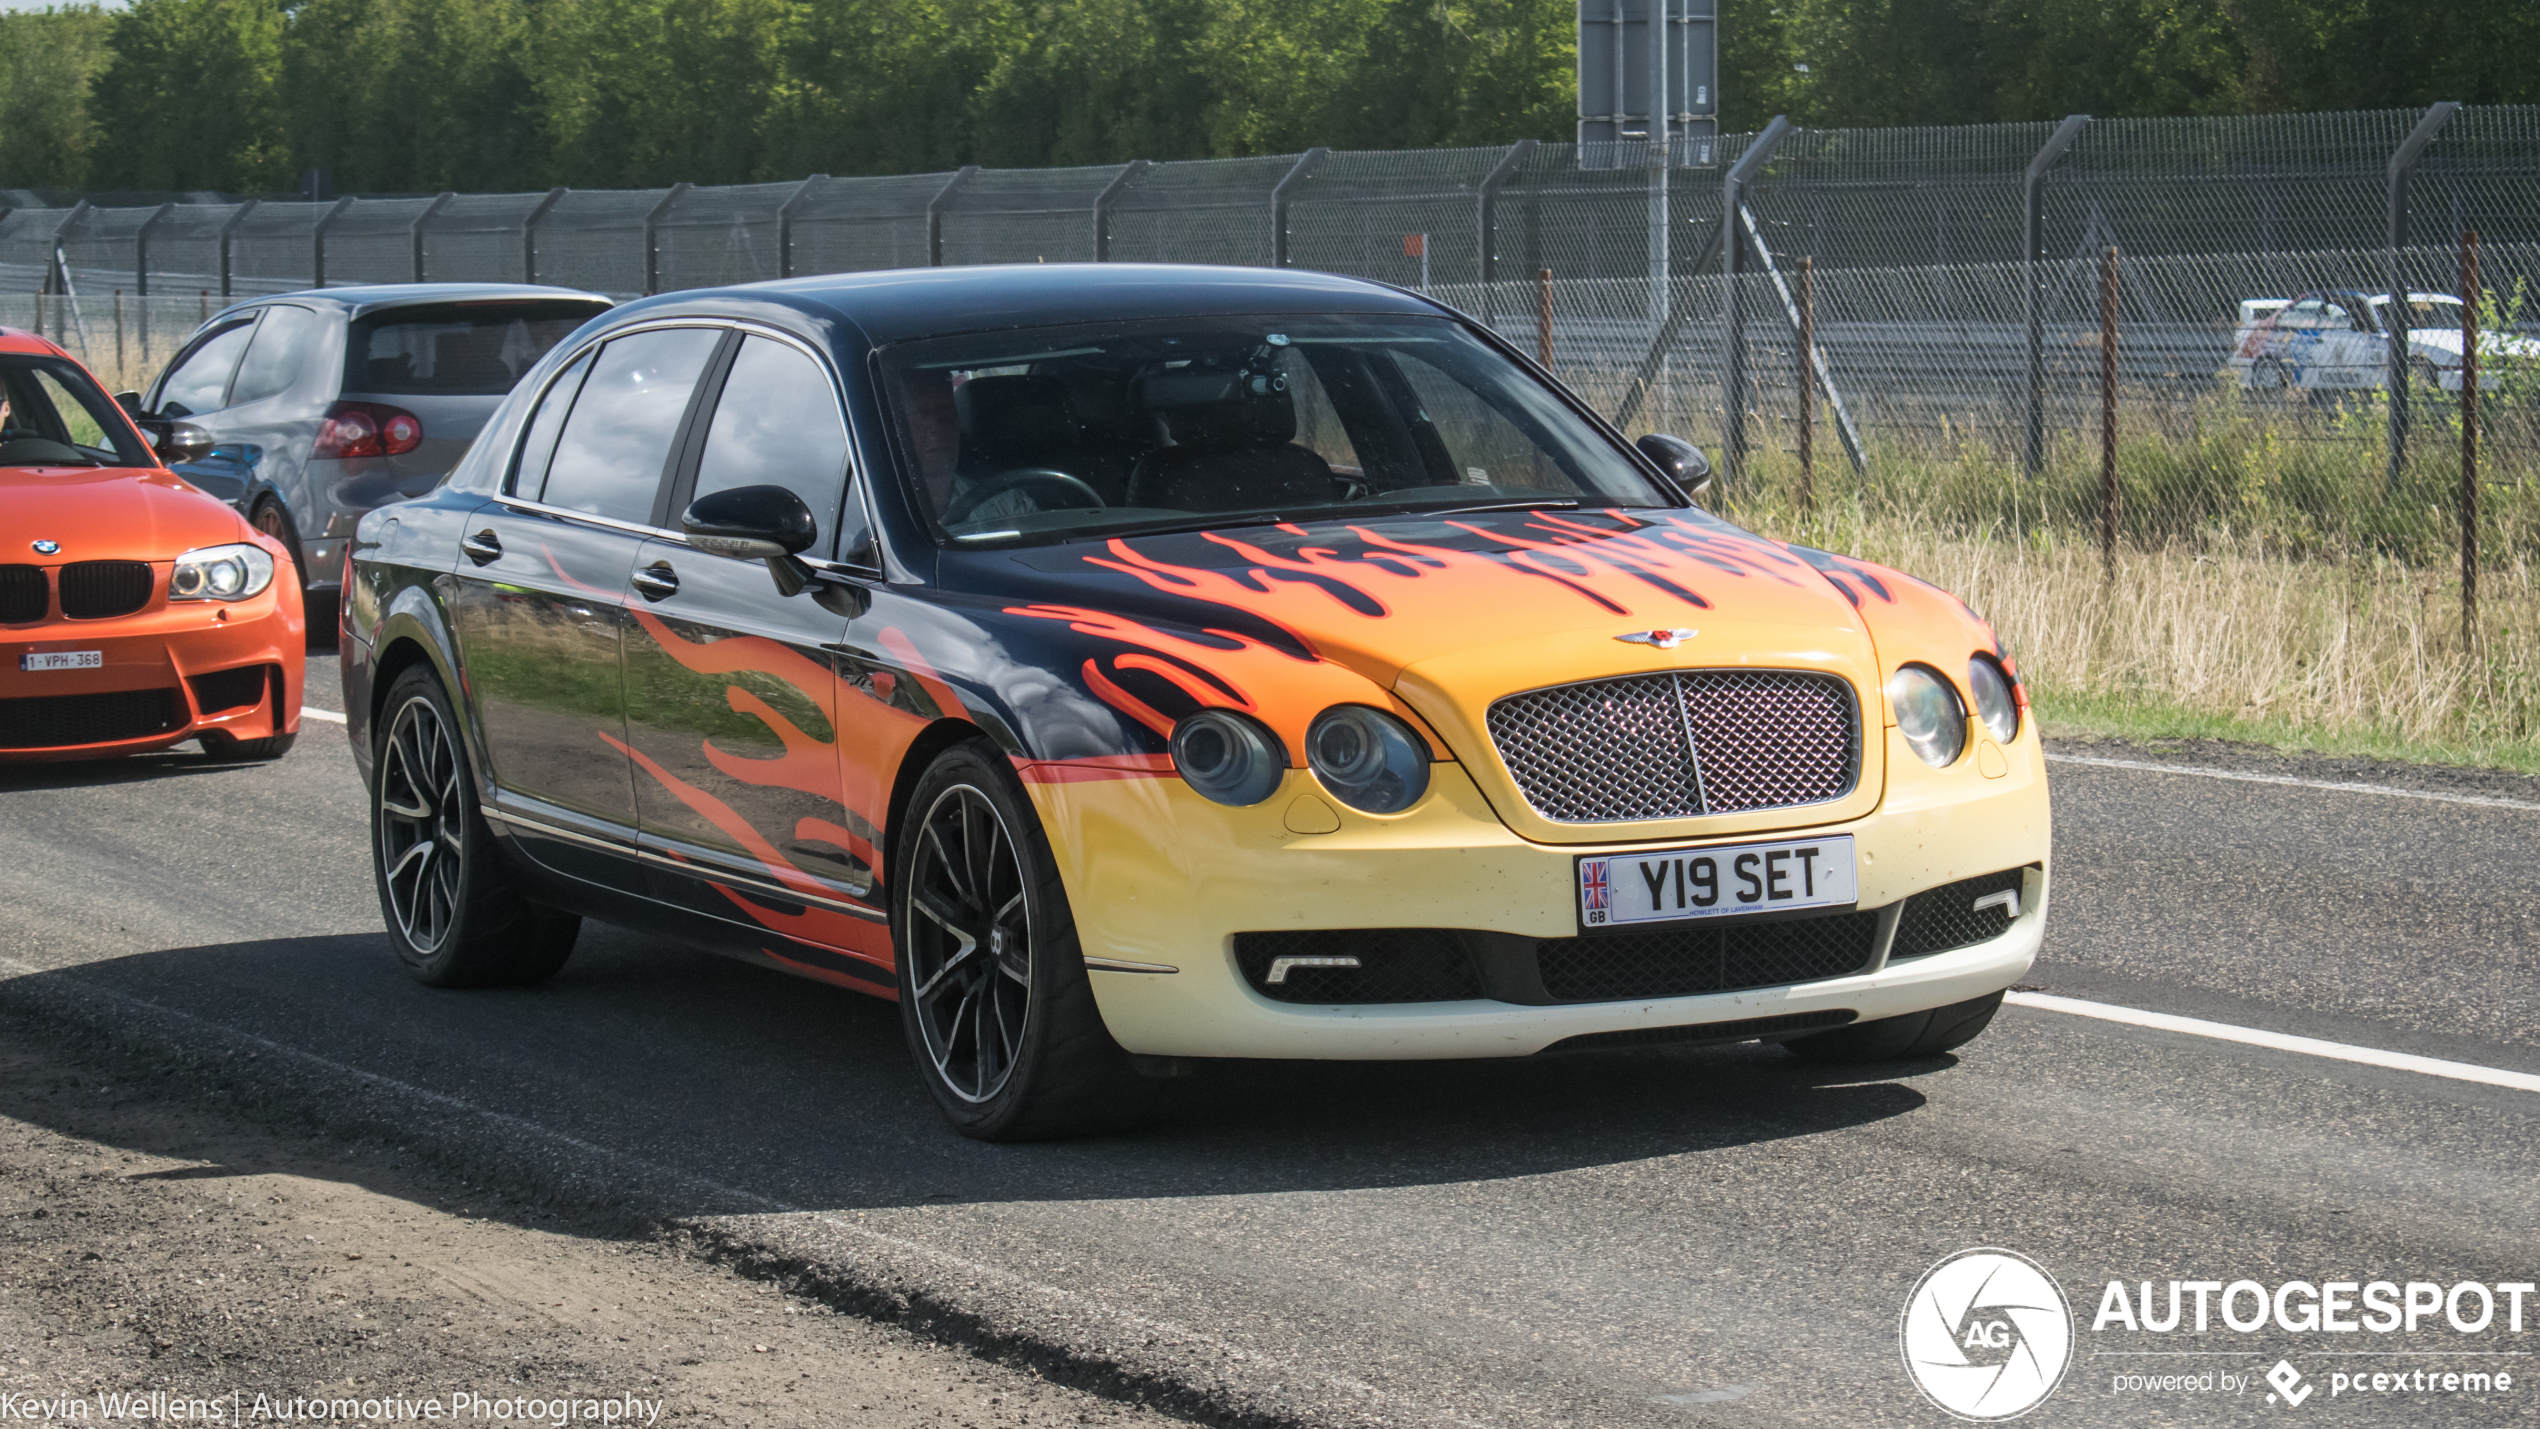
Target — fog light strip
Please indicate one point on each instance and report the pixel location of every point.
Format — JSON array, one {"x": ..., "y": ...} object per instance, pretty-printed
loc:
[{"x": 2281, "y": 1042}]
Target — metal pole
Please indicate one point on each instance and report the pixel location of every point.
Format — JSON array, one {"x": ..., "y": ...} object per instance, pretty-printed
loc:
[
  {"x": 2403, "y": 162},
  {"x": 1659, "y": 110},
  {"x": 141, "y": 262},
  {"x": 226, "y": 229},
  {"x": 2470, "y": 299},
  {"x": 1102, "y": 206},
  {"x": 1733, "y": 343},
  {"x": 2033, "y": 449},
  {"x": 785, "y": 225},
  {"x": 119, "y": 335},
  {"x": 935, "y": 214},
  {"x": 2109, "y": 498},
  {"x": 317, "y": 242},
  {"x": 1486, "y": 221},
  {"x": 1807, "y": 385},
  {"x": 1543, "y": 319},
  {"x": 416, "y": 233},
  {"x": 1813, "y": 361},
  {"x": 1279, "y": 204},
  {"x": 529, "y": 234},
  {"x": 652, "y": 233}
]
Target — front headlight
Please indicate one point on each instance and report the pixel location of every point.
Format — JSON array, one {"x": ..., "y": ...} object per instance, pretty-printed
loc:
[
  {"x": 1368, "y": 759},
  {"x": 1928, "y": 714},
  {"x": 1995, "y": 704},
  {"x": 1229, "y": 758},
  {"x": 220, "y": 573}
]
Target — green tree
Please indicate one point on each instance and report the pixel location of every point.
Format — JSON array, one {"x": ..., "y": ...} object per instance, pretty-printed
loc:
[
  {"x": 392, "y": 96},
  {"x": 48, "y": 60},
  {"x": 191, "y": 99}
]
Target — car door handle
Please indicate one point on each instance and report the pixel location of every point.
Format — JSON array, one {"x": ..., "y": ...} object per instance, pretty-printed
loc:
[
  {"x": 482, "y": 548},
  {"x": 656, "y": 581}
]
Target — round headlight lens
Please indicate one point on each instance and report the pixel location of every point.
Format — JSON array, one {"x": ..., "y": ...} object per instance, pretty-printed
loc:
[
  {"x": 1928, "y": 715},
  {"x": 1227, "y": 757},
  {"x": 1369, "y": 760},
  {"x": 220, "y": 573},
  {"x": 1995, "y": 704}
]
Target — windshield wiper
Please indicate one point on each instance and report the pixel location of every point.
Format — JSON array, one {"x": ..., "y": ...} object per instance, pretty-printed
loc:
[{"x": 1537, "y": 503}]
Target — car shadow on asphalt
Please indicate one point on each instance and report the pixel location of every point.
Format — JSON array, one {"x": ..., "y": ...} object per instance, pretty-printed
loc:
[
  {"x": 724, "y": 1084},
  {"x": 125, "y": 769}
]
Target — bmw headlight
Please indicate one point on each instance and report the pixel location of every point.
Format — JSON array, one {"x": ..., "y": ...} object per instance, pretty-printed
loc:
[
  {"x": 220, "y": 573},
  {"x": 1928, "y": 714},
  {"x": 1229, "y": 758},
  {"x": 1995, "y": 704},
  {"x": 1368, "y": 759}
]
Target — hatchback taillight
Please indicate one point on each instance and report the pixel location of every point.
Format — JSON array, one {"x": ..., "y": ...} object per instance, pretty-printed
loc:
[{"x": 367, "y": 429}]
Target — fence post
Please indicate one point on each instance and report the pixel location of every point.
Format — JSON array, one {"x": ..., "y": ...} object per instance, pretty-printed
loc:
[
  {"x": 529, "y": 233},
  {"x": 2471, "y": 296},
  {"x": 2033, "y": 447},
  {"x": 1486, "y": 221},
  {"x": 935, "y": 214},
  {"x": 2110, "y": 499},
  {"x": 416, "y": 233},
  {"x": 1543, "y": 319},
  {"x": 1102, "y": 205},
  {"x": 317, "y": 242},
  {"x": 119, "y": 334},
  {"x": 226, "y": 230},
  {"x": 61, "y": 267},
  {"x": 785, "y": 225},
  {"x": 652, "y": 233},
  {"x": 1279, "y": 204},
  {"x": 2403, "y": 163},
  {"x": 1732, "y": 317},
  {"x": 141, "y": 260},
  {"x": 1807, "y": 385}
]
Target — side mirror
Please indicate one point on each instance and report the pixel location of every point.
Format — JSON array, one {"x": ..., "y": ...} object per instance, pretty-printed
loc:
[
  {"x": 178, "y": 441},
  {"x": 1683, "y": 462},
  {"x": 755, "y": 523},
  {"x": 129, "y": 401}
]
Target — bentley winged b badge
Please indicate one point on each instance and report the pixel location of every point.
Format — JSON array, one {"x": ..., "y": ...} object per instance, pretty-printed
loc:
[{"x": 1659, "y": 639}]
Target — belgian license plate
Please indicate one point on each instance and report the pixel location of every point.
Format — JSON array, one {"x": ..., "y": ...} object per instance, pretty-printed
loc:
[
  {"x": 1673, "y": 885},
  {"x": 62, "y": 660}
]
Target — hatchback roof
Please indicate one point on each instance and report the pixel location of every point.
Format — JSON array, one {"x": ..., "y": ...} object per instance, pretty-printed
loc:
[
  {"x": 373, "y": 297},
  {"x": 892, "y": 305}
]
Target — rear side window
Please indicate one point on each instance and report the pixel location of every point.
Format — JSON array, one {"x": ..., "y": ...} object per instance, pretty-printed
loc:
[
  {"x": 544, "y": 428},
  {"x": 777, "y": 424},
  {"x": 456, "y": 349},
  {"x": 616, "y": 443},
  {"x": 199, "y": 380},
  {"x": 274, "y": 358}
]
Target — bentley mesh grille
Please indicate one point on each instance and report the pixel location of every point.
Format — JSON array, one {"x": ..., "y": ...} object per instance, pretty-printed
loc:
[
  {"x": 1681, "y": 961},
  {"x": 60, "y": 721},
  {"x": 1394, "y": 965},
  {"x": 1939, "y": 919},
  {"x": 1679, "y": 745},
  {"x": 24, "y": 596},
  {"x": 99, "y": 590}
]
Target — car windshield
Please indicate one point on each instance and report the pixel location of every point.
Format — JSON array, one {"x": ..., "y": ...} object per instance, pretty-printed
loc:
[
  {"x": 456, "y": 349},
  {"x": 53, "y": 414},
  {"x": 1064, "y": 433}
]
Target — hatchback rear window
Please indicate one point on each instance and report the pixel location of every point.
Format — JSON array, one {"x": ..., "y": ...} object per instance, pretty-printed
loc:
[{"x": 457, "y": 349}]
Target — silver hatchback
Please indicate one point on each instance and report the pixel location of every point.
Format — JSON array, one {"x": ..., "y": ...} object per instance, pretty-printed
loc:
[{"x": 319, "y": 406}]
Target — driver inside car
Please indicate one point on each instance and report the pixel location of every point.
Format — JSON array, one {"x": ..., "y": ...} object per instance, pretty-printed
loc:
[{"x": 972, "y": 439}]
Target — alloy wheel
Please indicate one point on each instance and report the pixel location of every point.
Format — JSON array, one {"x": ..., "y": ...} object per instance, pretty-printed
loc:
[
  {"x": 969, "y": 943},
  {"x": 422, "y": 824}
]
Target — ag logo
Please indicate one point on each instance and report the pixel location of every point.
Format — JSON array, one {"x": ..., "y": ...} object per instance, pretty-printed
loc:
[{"x": 1986, "y": 1334}]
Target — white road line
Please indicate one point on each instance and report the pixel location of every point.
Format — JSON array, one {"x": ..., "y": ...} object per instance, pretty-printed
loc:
[
  {"x": 313, "y": 712},
  {"x": 2203, "y": 772},
  {"x": 2250, "y": 1036}
]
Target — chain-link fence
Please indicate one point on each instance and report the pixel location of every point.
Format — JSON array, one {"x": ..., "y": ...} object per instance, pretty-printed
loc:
[{"x": 2287, "y": 479}]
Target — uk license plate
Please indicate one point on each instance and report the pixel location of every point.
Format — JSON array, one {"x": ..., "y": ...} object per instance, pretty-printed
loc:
[
  {"x": 1675, "y": 885},
  {"x": 62, "y": 660}
]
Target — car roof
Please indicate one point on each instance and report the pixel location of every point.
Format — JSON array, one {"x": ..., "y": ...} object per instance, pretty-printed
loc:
[
  {"x": 371, "y": 298},
  {"x": 892, "y": 305}
]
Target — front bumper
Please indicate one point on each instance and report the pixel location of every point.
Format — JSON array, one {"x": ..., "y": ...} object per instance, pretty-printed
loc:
[
  {"x": 170, "y": 648},
  {"x": 1158, "y": 876}
]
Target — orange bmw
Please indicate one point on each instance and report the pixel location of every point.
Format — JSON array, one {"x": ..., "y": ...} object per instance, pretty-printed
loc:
[{"x": 135, "y": 611}]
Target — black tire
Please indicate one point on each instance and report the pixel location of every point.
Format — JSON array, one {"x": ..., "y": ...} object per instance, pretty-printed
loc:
[
  {"x": 227, "y": 748},
  {"x": 1899, "y": 1039},
  {"x": 454, "y": 911},
  {"x": 269, "y": 517},
  {"x": 1011, "y": 1044}
]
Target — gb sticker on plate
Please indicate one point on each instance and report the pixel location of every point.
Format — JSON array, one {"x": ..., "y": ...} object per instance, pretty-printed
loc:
[{"x": 1670, "y": 885}]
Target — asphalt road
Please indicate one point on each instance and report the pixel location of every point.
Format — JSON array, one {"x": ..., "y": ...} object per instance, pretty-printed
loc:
[{"x": 1667, "y": 1238}]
